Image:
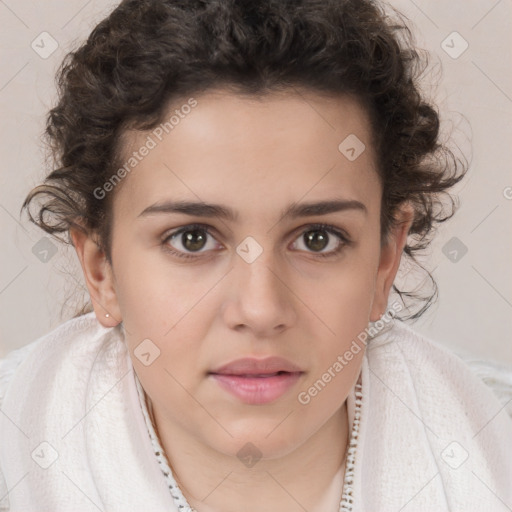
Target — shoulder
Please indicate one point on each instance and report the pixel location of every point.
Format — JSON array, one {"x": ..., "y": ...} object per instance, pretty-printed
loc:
[
  {"x": 496, "y": 376},
  {"x": 10, "y": 363},
  {"x": 457, "y": 373},
  {"x": 14, "y": 360}
]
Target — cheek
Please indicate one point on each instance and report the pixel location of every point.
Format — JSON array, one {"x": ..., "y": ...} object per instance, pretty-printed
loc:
[
  {"x": 345, "y": 315},
  {"x": 155, "y": 294},
  {"x": 344, "y": 311},
  {"x": 174, "y": 344},
  {"x": 343, "y": 295},
  {"x": 168, "y": 306}
]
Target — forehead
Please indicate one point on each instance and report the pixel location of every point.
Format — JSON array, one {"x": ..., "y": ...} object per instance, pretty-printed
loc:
[{"x": 280, "y": 147}]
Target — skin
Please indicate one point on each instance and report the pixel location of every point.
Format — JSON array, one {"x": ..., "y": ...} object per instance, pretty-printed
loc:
[{"x": 256, "y": 156}]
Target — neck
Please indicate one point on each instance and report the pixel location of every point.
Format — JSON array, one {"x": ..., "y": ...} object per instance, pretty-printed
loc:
[{"x": 310, "y": 477}]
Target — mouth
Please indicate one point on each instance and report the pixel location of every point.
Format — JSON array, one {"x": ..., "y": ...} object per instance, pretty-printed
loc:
[{"x": 257, "y": 388}]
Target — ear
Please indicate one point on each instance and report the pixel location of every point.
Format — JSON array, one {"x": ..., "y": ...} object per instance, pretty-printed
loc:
[
  {"x": 389, "y": 261},
  {"x": 98, "y": 276}
]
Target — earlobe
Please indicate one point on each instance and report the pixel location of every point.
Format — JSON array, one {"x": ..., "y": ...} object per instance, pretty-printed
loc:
[
  {"x": 98, "y": 277},
  {"x": 389, "y": 262}
]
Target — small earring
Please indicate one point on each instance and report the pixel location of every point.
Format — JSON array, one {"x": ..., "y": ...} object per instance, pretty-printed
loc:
[{"x": 107, "y": 315}]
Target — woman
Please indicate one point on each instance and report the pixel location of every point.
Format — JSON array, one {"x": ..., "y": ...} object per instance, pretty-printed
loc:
[{"x": 240, "y": 181}]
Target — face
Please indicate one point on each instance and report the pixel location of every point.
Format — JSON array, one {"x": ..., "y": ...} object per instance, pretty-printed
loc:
[{"x": 260, "y": 274}]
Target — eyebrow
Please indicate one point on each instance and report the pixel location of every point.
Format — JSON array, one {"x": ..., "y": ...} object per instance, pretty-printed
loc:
[{"x": 200, "y": 209}]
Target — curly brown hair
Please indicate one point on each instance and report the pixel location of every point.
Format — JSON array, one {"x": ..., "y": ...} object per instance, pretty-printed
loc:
[{"x": 148, "y": 52}]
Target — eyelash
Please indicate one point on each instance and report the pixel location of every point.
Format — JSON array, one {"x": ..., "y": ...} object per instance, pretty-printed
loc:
[{"x": 345, "y": 240}]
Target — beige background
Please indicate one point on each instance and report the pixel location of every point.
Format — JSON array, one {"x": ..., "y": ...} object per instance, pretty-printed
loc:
[{"x": 473, "y": 313}]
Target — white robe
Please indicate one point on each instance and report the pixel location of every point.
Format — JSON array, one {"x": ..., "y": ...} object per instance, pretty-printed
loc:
[{"x": 433, "y": 436}]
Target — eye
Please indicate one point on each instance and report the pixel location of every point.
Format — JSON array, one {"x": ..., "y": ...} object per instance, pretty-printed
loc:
[
  {"x": 321, "y": 236},
  {"x": 194, "y": 238},
  {"x": 187, "y": 240}
]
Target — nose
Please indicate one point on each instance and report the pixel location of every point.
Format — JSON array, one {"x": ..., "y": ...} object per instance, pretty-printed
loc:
[{"x": 260, "y": 299}]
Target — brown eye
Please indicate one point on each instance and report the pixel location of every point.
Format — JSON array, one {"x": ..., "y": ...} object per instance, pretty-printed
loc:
[
  {"x": 316, "y": 240},
  {"x": 188, "y": 240},
  {"x": 320, "y": 237},
  {"x": 193, "y": 240}
]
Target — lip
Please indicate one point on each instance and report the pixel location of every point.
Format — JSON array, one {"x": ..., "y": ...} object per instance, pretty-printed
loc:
[
  {"x": 254, "y": 366},
  {"x": 254, "y": 381},
  {"x": 257, "y": 390}
]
